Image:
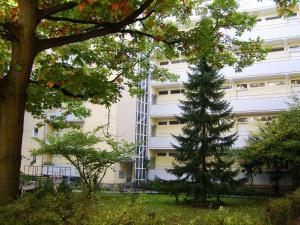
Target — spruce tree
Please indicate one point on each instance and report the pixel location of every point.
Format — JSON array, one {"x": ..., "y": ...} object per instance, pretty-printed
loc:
[{"x": 203, "y": 143}]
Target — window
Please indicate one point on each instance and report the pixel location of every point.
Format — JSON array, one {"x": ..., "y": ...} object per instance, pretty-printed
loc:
[
  {"x": 266, "y": 118},
  {"x": 295, "y": 82},
  {"x": 226, "y": 87},
  {"x": 161, "y": 154},
  {"x": 242, "y": 86},
  {"x": 273, "y": 18},
  {"x": 163, "y": 92},
  {"x": 174, "y": 122},
  {"x": 276, "y": 83},
  {"x": 35, "y": 132},
  {"x": 171, "y": 154},
  {"x": 176, "y": 61},
  {"x": 162, "y": 123},
  {"x": 254, "y": 85},
  {"x": 242, "y": 120},
  {"x": 175, "y": 91},
  {"x": 164, "y": 63},
  {"x": 277, "y": 49},
  {"x": 294, "y": 48}
]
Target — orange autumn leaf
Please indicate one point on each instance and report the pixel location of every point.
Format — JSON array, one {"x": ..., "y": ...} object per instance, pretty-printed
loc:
[
  {"x": 81, "y": 6},
  {"x": 115, "y": 6},
  {"x": 50, "y": 84}
]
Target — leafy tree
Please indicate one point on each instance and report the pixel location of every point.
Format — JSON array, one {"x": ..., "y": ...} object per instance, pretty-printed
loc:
[
  {"x": 55, "y": 53},
  {"x": 201, "y": 148},
  {"x": 80, "y": 150},
  {"x": 286, "y": 6},
  {"x": 274, "y": 150}
]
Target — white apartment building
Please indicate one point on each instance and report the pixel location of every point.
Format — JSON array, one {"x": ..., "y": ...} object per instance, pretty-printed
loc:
[{"x": 256, "y": 94}]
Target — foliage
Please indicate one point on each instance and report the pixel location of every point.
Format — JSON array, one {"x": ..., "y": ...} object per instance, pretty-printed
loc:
[
  {"x": 201, "y": 148},
  {"x": 217, "y": 37},
  {"x": 278, "y": 211},
  {"x": 71, "y": 209},
  {"x": 224, "y": 217},
  {"x": 286, "y": 6},
  {"x": 80, "y": 150},
  {"x": 54, "y": 209},
  {"x": 283, "y": 210},
  {"x": 107, "y": 209},
  {"x": 274, "y": 150},
  {"x": 294, "y": 198}
]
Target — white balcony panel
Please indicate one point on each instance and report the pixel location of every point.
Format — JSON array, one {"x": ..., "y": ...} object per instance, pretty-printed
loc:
[
  {"x": 251, "y": 105},
  {"x": 275, "y": 30},
  {"x": 160, "y": 173},
  {"x": 164, "y": 110},
  {"x": 161, "y": 142},
  {"x": 70, "y": 117},
  {"x": 264, "y": 69},
  {"x": 241, "y": 141},
  {"x": 270, "y": 104}
]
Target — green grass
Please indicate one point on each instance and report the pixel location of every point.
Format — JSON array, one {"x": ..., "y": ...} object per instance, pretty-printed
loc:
[{"x": 165, "y": 206}]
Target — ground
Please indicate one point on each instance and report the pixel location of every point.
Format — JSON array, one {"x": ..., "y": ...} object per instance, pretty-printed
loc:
[
  {"x": 78, "y": 208},
  {"x": 165, "y": 206}
]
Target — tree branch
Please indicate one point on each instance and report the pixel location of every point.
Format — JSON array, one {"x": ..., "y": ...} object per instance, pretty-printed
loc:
[
  {"x": 114, "y": 28},
  {"x": 43, "y": 13},
  {"x": 71, "y": 20},
  {"x": 141, "y": 33},
  {"x": 145, "y": 17}
]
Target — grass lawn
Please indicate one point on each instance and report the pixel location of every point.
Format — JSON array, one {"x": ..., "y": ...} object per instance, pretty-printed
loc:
[
  {"x": 126, "y": 209},
  {"x": 164, "y": 205}
]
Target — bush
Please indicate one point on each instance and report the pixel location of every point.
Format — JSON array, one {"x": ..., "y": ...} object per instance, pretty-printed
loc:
[
  {"x": 73, "y": 209},
  {"x": 279, "y": 211},
  {"x": 295, "y": 203},
  {"x": 224, "y": 217},
  {"x": 51, "y": 209}
]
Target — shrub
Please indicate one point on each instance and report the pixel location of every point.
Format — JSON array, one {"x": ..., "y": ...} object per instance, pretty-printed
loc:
[
  {"x": 73, "y": 209},
  {"x": 294, "y": 198},
  {"x": 279, "y": 211},
  {"x": 51, "y": 209},
  {"x": 224, "y": 217}
]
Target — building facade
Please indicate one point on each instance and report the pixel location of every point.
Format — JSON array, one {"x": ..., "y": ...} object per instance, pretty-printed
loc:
[
  {"x": 256, "y": 94},
  {"x": 121, "y": 118}
]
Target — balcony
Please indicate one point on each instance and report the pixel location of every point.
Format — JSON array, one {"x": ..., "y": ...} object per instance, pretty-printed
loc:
[
  {"x": 161, "y": 142},
  {"x": 250, "y": 105},
  {"x": 160, "y": 173},
  {"x": 289, "y": 65},
  {"x": 164, "y": 110},
  {"x": 70, "y": 117},
  {"x": 264, "y": 69},
  {"x": 275, "y": 29}
]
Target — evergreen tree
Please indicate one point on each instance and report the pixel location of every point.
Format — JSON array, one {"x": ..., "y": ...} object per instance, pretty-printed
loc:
[{"x": 201, "y": 148}]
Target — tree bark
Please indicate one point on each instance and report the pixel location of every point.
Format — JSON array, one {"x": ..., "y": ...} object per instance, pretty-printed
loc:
[{"x": 12, "y": 101}]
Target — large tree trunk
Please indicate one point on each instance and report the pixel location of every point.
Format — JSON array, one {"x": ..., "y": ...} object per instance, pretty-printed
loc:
[{"x": 12, "y": 101}]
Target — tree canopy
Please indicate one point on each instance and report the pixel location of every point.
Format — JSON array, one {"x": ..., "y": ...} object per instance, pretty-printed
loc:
[
  {"x": 90, "y": 153},
  {"x": 274, "y": 149}
]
